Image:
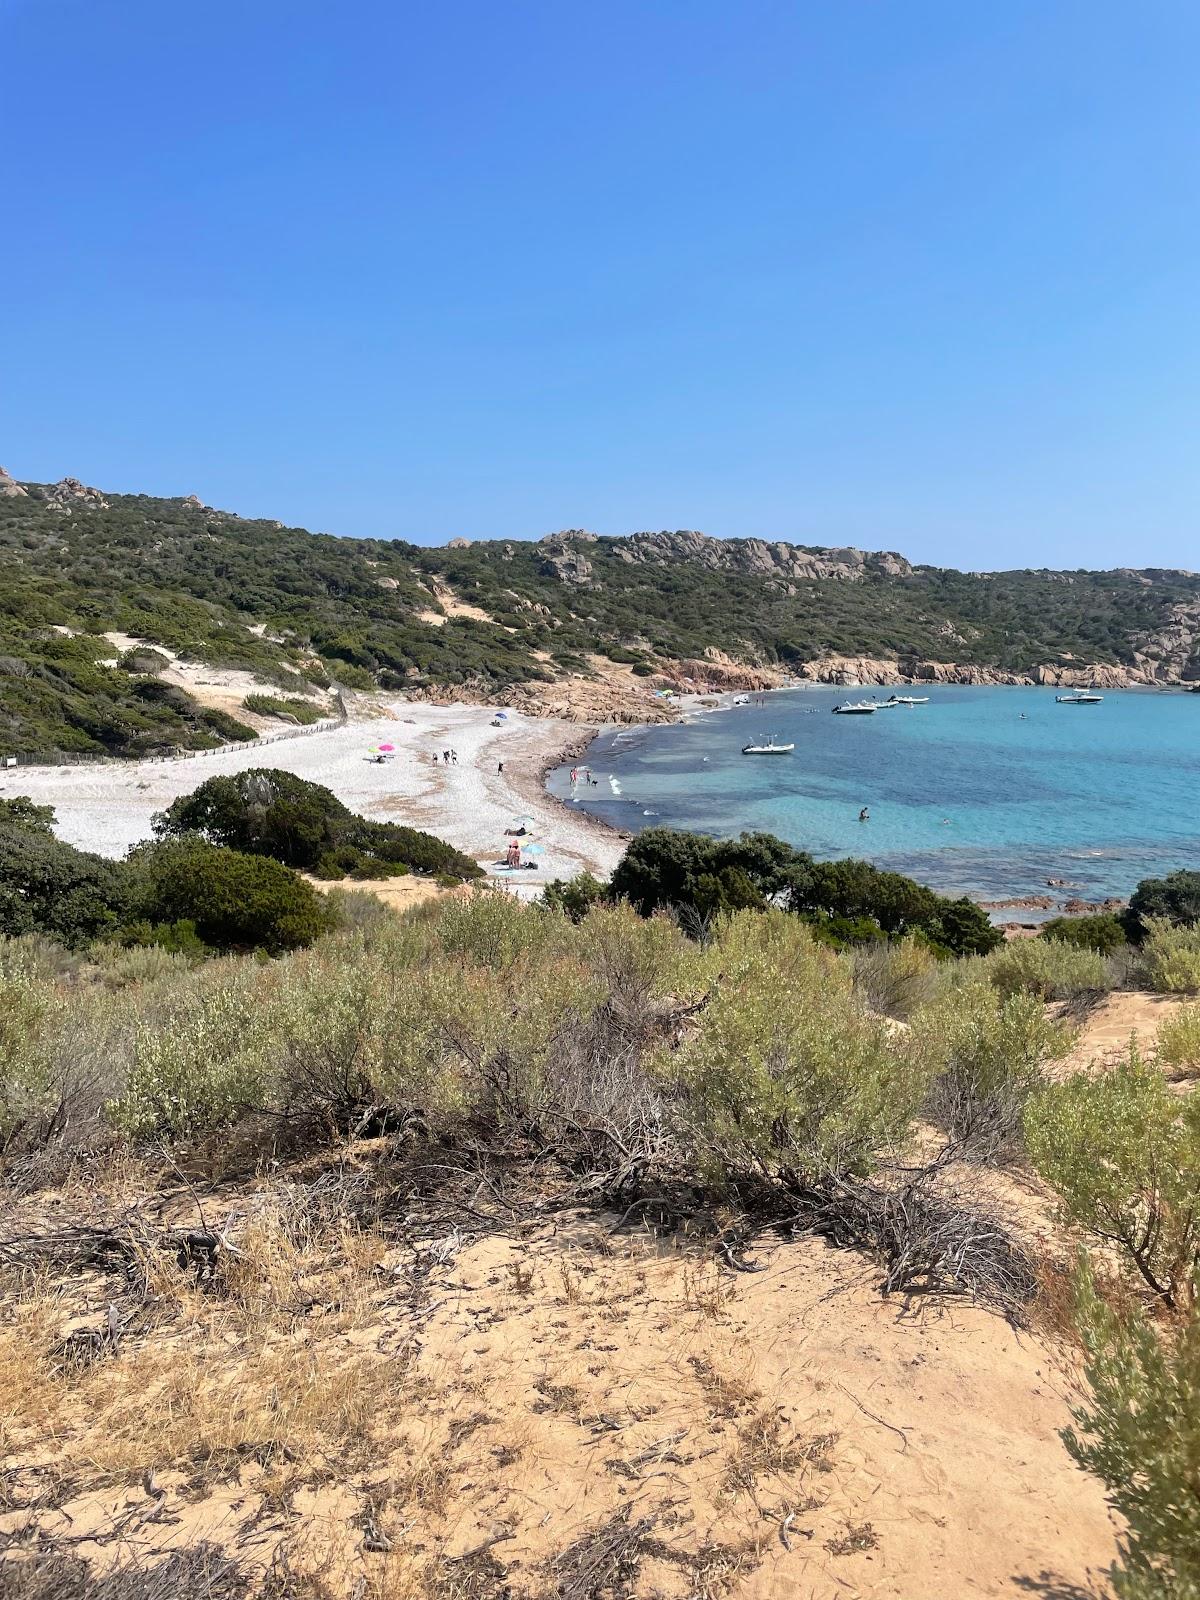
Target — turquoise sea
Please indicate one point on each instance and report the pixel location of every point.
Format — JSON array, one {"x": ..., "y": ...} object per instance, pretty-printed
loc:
[{"x": 987, "y": 792}]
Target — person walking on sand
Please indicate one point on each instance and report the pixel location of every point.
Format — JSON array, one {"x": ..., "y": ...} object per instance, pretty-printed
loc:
[
  {"x": 454, "y": 758},
  {"x": 499, "y": 766}
]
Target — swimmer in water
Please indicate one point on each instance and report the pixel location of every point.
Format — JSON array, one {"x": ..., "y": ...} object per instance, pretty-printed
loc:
[{"x": 864, "y": 815}]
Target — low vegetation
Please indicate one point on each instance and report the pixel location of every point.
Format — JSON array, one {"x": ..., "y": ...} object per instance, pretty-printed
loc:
[
  {"x": 286, "y": 708},
  {"x": 698, "y": 1048}
]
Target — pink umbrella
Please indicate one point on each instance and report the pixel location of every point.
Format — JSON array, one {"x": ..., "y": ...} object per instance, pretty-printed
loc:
[{"x": 387, "y": 746}]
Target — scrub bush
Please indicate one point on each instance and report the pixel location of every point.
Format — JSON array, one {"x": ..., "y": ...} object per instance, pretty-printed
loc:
[
  {"x": 788, "y": 1074},
  {"x": 1123, "y": 1154},
  {"x": 200, "y": 1062},
  {"x": 992, "y": 1050},
  {"x": 1177, "y": 1041},
  {"x": 1139, "y": 1432},
  {"x": 1047, "y": 968},
  {"x": 1169, "y": 957}
]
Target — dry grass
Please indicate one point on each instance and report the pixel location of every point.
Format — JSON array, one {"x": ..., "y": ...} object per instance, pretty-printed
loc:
[{"x": 766, "y": 1448}]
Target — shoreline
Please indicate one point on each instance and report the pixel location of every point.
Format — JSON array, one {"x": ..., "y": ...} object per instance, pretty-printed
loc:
[{"x": 106, "y": 808}]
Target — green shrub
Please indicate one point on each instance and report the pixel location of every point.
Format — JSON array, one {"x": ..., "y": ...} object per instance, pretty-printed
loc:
[
  {"x": 201, "y": 1064},
  {"x": 268, "y": 812},
  {"x": 233, "y": 900},
  {"x": 1102, "y": 931},
  {"x": 575, "y": 896},
  {"x": 1047, "y": 968},
  {"x": 1139, "y": 1432},
  {"x": 287, "y": 709},
  {"x": 992, "y": 1050},
  {"x": 226, "y": 726},
  {"x": 49, "y": 887},
  {"x": 1177, "y": 1041},
  {"x": 844, "y": 933},
  {"x": 1123, "y": 1154},
  {"x": 788, "y": 1074},
  {"x": 1173, "y": 899},
  {"x": 1169, "y": 957}
]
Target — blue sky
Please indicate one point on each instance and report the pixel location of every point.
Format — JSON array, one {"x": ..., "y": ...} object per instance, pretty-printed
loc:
[{"x": 897, "y": 273}]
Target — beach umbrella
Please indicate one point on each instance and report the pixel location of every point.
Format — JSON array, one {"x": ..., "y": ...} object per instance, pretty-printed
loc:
[
  {"x": 533, "y": 850},
  {"x": 387, "y": 746}
]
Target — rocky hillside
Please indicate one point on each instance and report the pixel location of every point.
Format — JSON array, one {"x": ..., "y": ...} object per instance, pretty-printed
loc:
[{"x": 573, "y": 620}]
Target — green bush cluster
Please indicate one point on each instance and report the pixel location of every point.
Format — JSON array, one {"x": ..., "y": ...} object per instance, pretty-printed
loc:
[
  {"x": 1102, "y": 931},
  {"x": 268, "y": 812},
  {"x": 1169, "y": 956},
  {"x": 186, "y": 894},
  {"x": 846, "y": 902},
  {"x": 287, "y": 708}
]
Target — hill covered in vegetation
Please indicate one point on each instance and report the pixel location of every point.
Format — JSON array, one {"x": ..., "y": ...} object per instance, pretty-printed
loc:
[{"x": 86, "y": 571}]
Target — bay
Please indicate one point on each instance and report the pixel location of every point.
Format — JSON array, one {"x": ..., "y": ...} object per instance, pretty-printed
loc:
[{"x": 983, "y": 791}]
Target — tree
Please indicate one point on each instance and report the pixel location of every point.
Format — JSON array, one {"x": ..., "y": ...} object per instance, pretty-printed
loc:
[
  {"x": 1176, "y": 898},
  {"x": 47, "y": 886},
  {"x": 665, "y": 867},
  {"x": 236, "y": 901},
  {"x": 268, "y": 812},
  {"x": 263, "y": 811}
]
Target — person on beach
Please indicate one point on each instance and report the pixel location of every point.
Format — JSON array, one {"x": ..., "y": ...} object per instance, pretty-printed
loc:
[
  {"x": 499, "y": 766},
  {"x": 454, "y": 757}
]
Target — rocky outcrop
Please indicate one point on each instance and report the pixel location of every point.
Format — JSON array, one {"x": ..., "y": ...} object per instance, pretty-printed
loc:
[
  {"x": 10, "y": 489},
  {"x": 853, "y": 671},
  {"x": 459, "y": 544},
  {"x": 790, "y": 562},
  {"x": 69, "y": 493},
  {"x": 568, "y": 566}
]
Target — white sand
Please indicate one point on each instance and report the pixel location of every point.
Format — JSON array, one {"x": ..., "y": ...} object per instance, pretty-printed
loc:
[{"x": 106, "y": 807}]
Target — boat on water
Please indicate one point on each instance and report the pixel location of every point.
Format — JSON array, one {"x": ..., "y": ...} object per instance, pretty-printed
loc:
[
  {"x": 856, "y": 708},
  {"x": 907, "y": 700},
  {"x": 1081, "y": 697},
  {"x": 771, "y": 748}
]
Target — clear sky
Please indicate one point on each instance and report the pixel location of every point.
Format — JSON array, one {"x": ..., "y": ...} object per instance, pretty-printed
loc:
[{"x": 914, "y": 274}]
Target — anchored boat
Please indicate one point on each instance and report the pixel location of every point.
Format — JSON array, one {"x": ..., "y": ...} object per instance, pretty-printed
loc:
[
  {"x": 908, "y": 700},
  {"x": 856, "y": 708},
  {"x": 771, "y": 748},
  {"x": 1079, "y": 698}
]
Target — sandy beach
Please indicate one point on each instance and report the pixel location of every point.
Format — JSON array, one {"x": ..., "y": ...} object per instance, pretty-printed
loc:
[{"x": 107, "y": 807}]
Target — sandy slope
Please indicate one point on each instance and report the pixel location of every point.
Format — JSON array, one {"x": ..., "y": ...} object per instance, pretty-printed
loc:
[
  {"x": 786, "y": 1433},
  {"x": 108, "y": 807}
]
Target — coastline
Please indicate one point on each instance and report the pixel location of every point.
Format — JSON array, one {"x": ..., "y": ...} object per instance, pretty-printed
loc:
[{"x": 108, "y": 807}]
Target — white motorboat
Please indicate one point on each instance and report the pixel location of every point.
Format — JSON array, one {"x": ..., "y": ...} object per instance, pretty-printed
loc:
[
  {"x": 771, "y": 748},
  {"x": 908, "y": 700},
  {"x": 856, "y": 708},
  {"x": 1079, "y": 698}
]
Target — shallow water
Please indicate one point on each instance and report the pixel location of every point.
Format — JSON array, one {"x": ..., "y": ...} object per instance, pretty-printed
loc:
[{"x": 987, "y": 792}]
